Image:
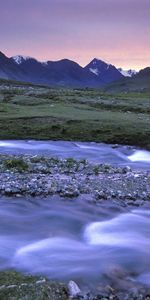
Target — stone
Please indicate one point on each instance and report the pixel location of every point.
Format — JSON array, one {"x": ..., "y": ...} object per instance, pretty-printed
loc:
[{"x": 74, "y": 290}]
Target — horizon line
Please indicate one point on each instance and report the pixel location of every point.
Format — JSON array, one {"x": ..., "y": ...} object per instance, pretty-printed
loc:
[{"x": 71, "y": 59}]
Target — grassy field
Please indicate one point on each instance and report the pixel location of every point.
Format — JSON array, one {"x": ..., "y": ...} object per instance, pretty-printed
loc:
[{"x": 36, "y": 112}]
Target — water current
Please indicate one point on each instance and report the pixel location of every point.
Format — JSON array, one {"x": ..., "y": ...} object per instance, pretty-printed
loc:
[{"x": 75, "y": 239}]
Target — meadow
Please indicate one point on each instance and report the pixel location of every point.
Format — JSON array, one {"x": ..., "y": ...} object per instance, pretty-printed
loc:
[{"x": 40, "y": 112}]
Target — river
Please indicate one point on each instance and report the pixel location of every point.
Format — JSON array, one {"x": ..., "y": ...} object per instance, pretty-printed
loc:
[
  {"x": 94, "y": 152},
  {"x": 75, "y": 240}
]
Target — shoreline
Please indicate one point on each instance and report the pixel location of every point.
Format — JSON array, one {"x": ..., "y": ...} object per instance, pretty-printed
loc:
[{"x": 27, "y": 286}]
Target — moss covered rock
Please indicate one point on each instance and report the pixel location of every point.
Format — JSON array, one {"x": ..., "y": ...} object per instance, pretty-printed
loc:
[{"x": 15, "y": 286}]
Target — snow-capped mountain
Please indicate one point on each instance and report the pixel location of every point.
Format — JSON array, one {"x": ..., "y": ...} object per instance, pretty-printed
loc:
[
  {"x": 104, "y": 71},
  {"x": 9, "y": 69},
  {"x": 127, "y": 73},
  {"x": 64, "y": 72}
]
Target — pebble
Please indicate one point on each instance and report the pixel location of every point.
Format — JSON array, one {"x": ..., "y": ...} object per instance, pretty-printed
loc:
[{"x": 70, "y": 179}]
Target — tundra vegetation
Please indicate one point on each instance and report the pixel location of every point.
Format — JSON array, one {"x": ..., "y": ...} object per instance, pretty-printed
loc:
[{"x": 38, "y": 112}]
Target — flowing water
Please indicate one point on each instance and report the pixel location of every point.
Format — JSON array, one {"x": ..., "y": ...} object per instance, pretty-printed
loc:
[
  {"x": 94, "y": 152},
  {"x": 75, "y": 239}
]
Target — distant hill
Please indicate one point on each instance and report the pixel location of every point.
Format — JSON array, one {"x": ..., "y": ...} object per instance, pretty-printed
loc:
[
  {"x": 65, "y": 73},
  {"x": 139, "y": 82}
]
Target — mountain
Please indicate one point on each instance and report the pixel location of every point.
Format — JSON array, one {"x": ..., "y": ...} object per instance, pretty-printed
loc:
[
  {"x": 138, "y": 82},
  {"x": 9, "y": 69},
  {"x": 127, "y": 73},
  {"x": 65, "y": 73},
  {"x": 33, "y": 70},
  {"x": 144, "y": 73},
  {"x": 105, "y": 72},
  {"x": 61, "y": 73},
  {"x": 68, "y": 73},
  {"x": 54, "y": 73}
]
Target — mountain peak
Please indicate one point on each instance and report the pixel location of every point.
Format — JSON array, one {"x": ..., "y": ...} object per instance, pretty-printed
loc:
[
  {"x": 100, "y": 64},
  {"x": 2, "y": 55},
  {"x": 19, "y": 59},
  {"x": 96, "y": 61},
  {"x": 103, "y": 70},
  {"x": 144, "y": 72}
]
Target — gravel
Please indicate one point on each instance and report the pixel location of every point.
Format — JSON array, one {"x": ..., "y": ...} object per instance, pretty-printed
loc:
[{"x": 40, "y": 176}]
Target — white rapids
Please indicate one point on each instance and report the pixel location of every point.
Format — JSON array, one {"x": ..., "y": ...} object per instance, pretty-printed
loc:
[{"x": 140, "y": 156}]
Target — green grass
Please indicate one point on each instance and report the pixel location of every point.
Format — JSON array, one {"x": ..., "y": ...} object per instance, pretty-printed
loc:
[
  {"x": 28, "y": 111},
  {"x": 16, "y": 163}
]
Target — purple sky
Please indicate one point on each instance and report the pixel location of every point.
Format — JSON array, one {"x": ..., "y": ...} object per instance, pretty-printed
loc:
[{"x": 117, "y": 31}]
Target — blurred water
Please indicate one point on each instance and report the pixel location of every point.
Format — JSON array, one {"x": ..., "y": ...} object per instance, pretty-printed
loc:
[
  {"x": 74, "y": 240},
  {"x": 141, "y": 156},
  {"x": 94, "y": 152}
]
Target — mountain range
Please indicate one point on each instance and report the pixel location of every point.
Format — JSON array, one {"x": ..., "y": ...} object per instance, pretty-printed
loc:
[
  {"x": 57, "y": 73},
  {"x": 65, "y": 73}
]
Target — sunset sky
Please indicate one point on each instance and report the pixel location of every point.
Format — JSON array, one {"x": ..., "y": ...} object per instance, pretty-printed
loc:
[{"x": 116, "y": 31}]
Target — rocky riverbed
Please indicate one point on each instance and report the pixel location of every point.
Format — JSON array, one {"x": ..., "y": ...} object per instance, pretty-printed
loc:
[
  {"x": 33, "y": 176},
  {"x": 42, "y": 176}
]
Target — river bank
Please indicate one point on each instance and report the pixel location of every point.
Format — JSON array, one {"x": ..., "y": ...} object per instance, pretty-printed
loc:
[
  {"x": 42, "y": 176},
  {"x": 17, "y": 286}
]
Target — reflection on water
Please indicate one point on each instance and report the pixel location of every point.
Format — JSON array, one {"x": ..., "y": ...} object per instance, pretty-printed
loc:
[{"x": 74, "y": 240}]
